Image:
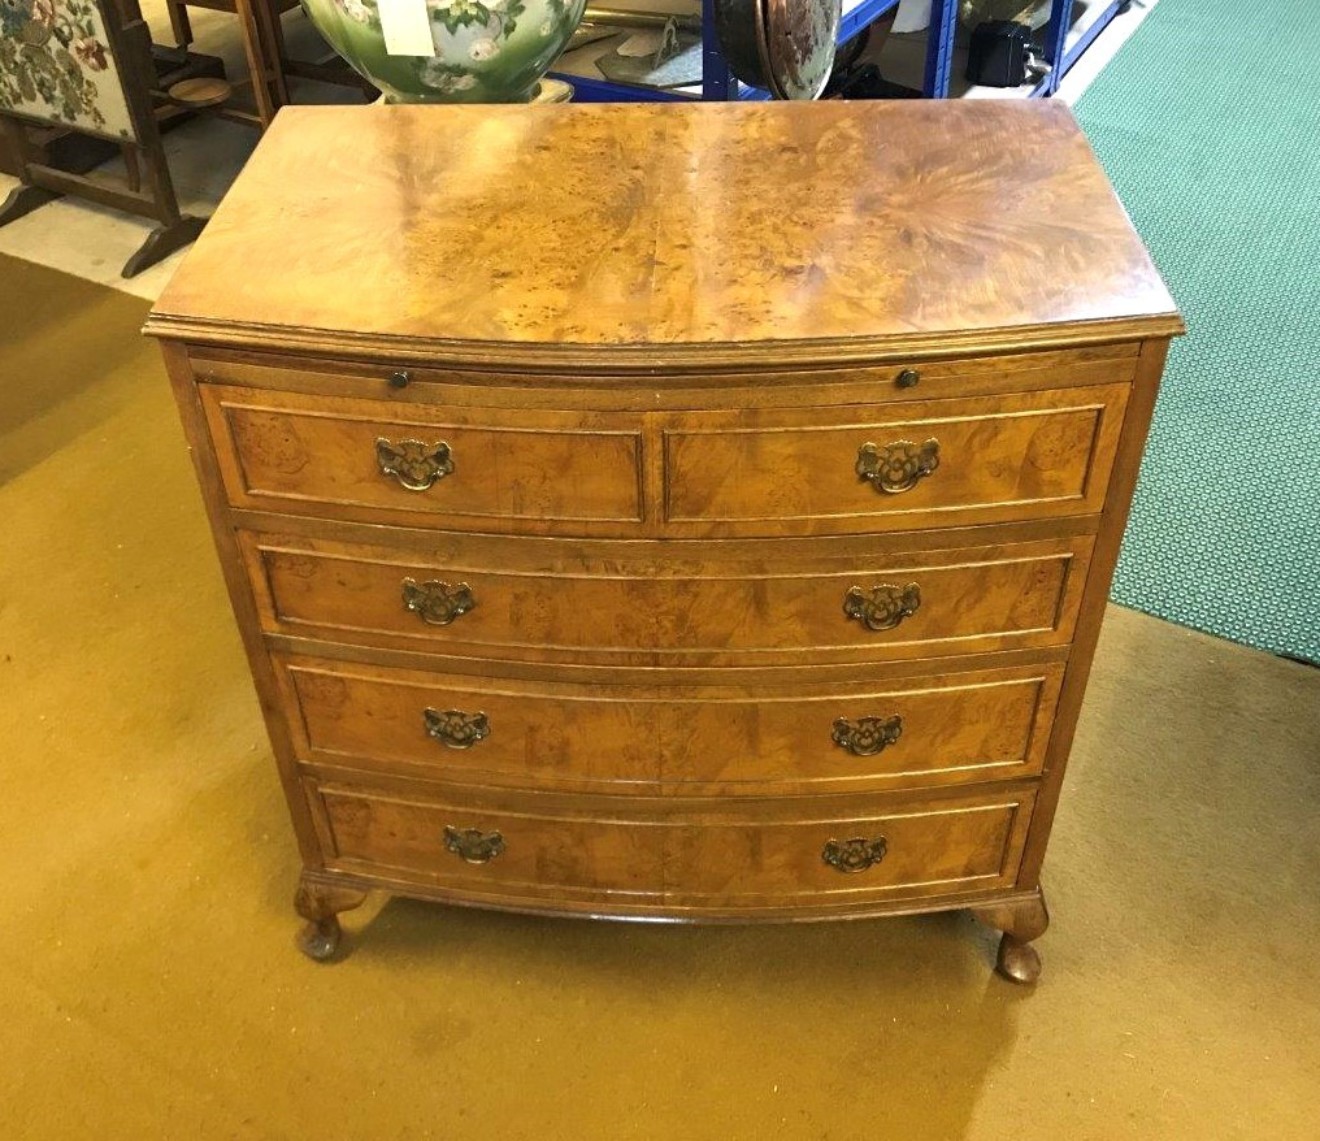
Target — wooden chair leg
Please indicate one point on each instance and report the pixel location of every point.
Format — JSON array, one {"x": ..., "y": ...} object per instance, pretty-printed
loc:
[
  {"x": 267, "y": 81},
  {"x": 180, "y": 24},
  {"x": 279, "y": 51},
  {"x": 272, "y": 31}
]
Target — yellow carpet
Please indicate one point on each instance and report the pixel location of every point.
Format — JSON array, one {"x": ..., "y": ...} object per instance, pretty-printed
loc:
[{"x": 149, "y": 986}]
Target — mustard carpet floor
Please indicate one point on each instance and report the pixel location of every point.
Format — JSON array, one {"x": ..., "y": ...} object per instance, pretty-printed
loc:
[{"x": 149, "y": 986}]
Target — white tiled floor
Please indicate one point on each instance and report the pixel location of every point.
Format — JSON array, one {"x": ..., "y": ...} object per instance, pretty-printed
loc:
[{"x": 206, "y": 154}]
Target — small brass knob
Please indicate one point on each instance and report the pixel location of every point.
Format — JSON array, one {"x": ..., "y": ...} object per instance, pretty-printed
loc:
[{"x": 908, "y": 378}]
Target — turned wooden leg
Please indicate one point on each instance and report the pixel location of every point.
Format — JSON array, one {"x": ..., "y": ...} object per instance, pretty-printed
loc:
[
  {"x": 1021, "y": 922},
  {"x": 320, "y": 901}
]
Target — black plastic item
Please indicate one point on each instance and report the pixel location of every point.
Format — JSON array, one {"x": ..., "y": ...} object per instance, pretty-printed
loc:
[
  {"x": 999, "y": 54},
  {"x": 866, "y": 82}
]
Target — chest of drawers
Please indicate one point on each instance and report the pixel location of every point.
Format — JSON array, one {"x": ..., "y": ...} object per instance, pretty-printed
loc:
[{"x": 701, "y": 513}]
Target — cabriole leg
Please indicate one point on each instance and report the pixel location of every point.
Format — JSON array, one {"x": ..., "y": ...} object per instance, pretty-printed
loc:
[
  {"x": 320, "y": 901},
  {"x": 1021, "y": 922}
]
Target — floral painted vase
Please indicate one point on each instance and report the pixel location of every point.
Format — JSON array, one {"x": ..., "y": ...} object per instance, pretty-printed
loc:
[{"x": 486, "y": 51}]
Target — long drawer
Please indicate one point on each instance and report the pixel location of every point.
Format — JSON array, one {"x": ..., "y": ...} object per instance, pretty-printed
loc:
[
  {"x": 794, "y": 736},
  {"x": 753, "y": 472},
  {"x": 668, "y": 856},
  {"x": 530, "y": 600}
]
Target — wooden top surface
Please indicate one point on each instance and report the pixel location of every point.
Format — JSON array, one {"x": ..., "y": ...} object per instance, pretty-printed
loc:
[{"x": 668, "y": 234}]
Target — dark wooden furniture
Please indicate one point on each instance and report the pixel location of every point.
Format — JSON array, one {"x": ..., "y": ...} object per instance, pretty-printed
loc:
[
  {"x": 126, "y": 77},
  {"x": 269, "y": 64},
  {"x": 696, "y": 512},
  {"x": 263, "y": 48}
]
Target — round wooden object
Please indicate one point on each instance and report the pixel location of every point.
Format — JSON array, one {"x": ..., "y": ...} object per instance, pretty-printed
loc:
[{"x": 204, "y": 92}]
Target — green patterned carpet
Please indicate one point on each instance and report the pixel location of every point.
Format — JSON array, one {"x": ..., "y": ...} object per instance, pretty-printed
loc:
[{"x": 1208, "y": 121}]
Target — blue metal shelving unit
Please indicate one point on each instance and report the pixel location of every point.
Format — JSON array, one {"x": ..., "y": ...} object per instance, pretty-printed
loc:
[
  {"x": 1060, "y": 57},
  {"x": 718, "y": 83}
]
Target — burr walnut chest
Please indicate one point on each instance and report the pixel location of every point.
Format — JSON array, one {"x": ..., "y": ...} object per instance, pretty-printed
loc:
[{"x": 685, "y": 512}]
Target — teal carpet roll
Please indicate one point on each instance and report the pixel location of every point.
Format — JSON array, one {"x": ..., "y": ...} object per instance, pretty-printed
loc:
[{"x": 1208, "y": 122}]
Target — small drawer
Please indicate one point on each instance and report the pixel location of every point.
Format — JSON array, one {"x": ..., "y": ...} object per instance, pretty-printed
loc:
[
  {"x": 735, "y": 863},
  {"x": 527, "y": 600},
  {"x": 945, "y": 463},
  {"x": 425, "y": 466},
  {"x": 487, "y": 849},
  {"x": 878, "y": 382},
  {"x": 800, "y": 735},
  {"x": 674, "y": 857}
]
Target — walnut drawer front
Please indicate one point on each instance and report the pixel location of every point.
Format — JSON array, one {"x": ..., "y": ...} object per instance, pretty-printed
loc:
[
  {"x": 423, "y": 466},
  {"x": 697, "y": 608},
  {"x": 927, "y": 464},
  {"x": 869, "y": 852},
  {"x": 800, "y": 735},
  {"x": 705, "y": 855},
  {"x": 446, "y": 838}
]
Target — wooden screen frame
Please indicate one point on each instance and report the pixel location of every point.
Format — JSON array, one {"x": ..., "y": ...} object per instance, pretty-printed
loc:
[{"x": 130, "y": 44}]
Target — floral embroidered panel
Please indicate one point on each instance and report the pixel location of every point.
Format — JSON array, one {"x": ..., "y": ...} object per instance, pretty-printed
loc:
[{"x": 56, "y": 66}]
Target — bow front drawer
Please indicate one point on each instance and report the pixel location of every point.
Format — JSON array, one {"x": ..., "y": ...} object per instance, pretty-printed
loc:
[
  {"x": 734, "y": 862},
  {"x": 493, "y": 850},
  {"x": 422, "y": 466},
  {"x": 799, "y": 735},
  {"x": 531, "y": 600},
  {"x": 751, "y": 859},
  {"x": 939, "y": 463}
]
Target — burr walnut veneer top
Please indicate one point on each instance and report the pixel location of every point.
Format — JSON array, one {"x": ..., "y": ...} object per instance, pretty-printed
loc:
[{"x": 669, "y": 236}]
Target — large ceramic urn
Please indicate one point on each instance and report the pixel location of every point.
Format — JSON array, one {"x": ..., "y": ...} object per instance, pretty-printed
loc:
[{"x": 483, "y": 51}]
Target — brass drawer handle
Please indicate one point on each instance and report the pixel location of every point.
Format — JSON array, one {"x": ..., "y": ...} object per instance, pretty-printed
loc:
[
  {"x": 472, "y": 844},
  {"x": 414, "y": 464},
  {"x": 855, "y": 855},
  {"x": 882, "y": 607},
  {"x": 437, "y": 602},
  {"x": 455, "y": 728},
  {"x": 899, "y": 466},
  {"x": 867, "y": 736}
]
